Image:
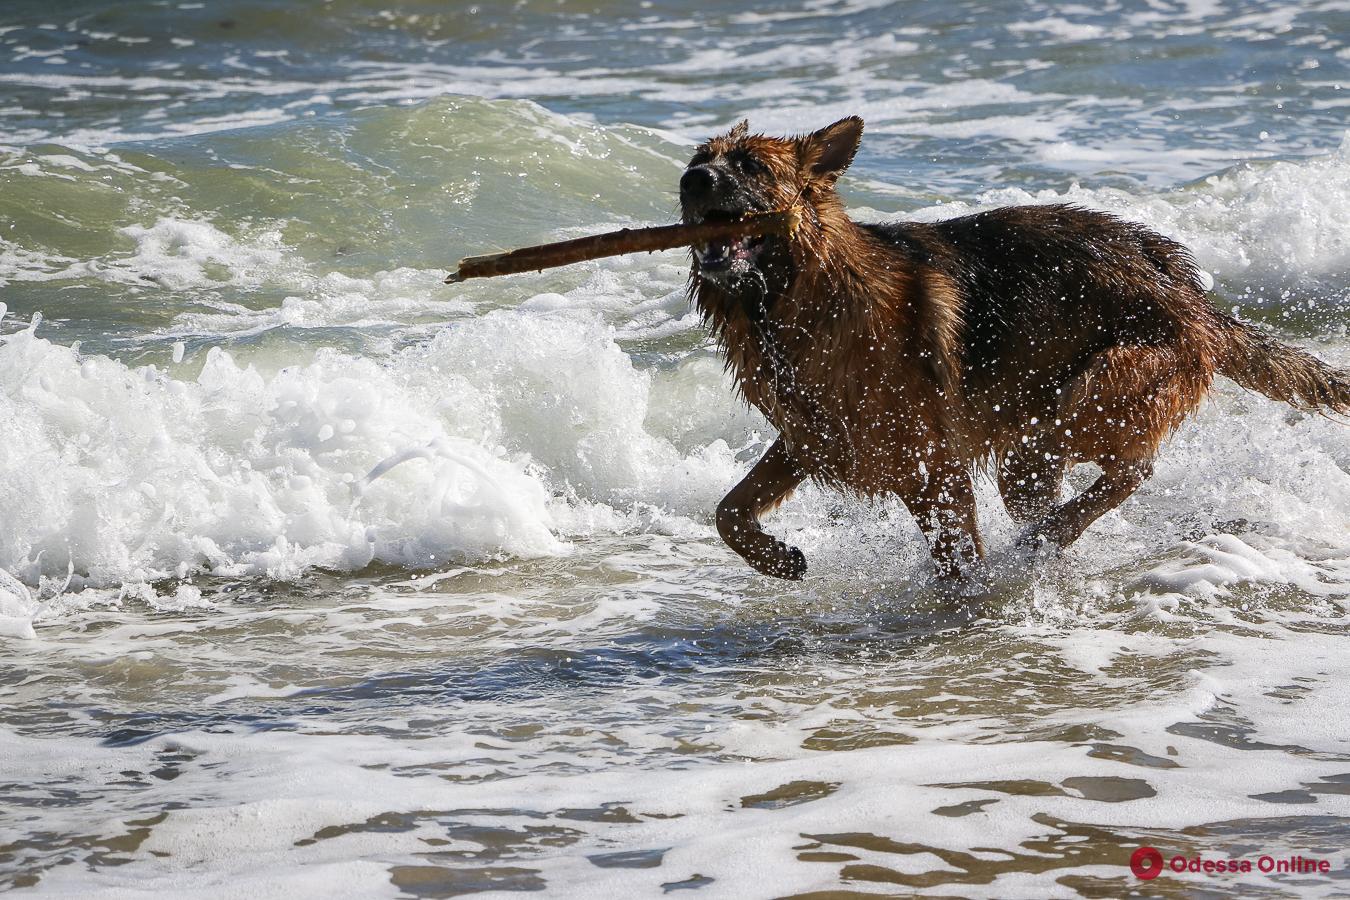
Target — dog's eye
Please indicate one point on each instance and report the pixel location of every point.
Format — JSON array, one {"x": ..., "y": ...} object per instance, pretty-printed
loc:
[{"x": 749, "y": 164}]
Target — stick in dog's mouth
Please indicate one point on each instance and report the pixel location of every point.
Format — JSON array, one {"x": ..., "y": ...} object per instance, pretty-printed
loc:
[{"x": 737, "y": 240}]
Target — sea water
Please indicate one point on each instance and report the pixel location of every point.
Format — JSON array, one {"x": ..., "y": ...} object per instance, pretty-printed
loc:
[{"x": 320, "y": 578}]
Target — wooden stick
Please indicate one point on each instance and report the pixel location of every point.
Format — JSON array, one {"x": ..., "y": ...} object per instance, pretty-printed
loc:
[{"x": 617, "y": 243}]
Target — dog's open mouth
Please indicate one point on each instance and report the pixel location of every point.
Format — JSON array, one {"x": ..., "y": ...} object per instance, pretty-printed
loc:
[{"x": 733, "y": 256}]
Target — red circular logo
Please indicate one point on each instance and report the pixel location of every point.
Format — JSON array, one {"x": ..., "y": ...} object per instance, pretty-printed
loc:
[{"x": 1146, "y": 863}]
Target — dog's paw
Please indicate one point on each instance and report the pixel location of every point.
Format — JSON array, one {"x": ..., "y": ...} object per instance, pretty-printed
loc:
[
  {"x": 787, "y": 562},
  {"x": 1036, "y": 539}
]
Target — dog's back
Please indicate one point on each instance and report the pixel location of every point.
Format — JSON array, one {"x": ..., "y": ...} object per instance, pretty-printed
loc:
[{"x": 1043, "y": 290}]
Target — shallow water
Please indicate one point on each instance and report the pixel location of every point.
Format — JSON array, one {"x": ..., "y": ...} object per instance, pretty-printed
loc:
[{"x": 321, "y": 578}]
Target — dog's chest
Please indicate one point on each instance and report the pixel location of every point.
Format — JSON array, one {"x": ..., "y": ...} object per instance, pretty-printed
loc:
[{"x": 840, "y": 401}]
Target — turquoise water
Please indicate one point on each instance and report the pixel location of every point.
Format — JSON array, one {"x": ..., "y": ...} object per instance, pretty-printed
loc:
[{"x": 319, "y": 577}]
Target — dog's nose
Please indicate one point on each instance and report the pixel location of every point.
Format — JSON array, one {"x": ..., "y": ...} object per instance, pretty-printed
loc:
[{"x": 696, "y": 183}]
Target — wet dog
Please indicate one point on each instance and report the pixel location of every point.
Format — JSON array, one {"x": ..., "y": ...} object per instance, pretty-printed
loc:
[{"x": 897, "y": 359}]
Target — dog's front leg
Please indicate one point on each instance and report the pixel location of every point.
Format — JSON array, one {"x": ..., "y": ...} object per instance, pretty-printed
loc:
[
  {"x": 943, "y": 503},
  {"x": 769, "y": 483}
]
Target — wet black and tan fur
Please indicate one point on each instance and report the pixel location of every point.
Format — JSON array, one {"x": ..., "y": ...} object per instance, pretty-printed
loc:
[{"x": 899, "y": 358}]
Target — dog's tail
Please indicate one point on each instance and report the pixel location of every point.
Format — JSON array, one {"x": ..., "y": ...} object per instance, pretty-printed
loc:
[{"x": 1260, "y": 363}]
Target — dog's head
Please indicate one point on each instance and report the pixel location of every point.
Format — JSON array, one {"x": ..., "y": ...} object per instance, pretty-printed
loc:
[{"x": 738, "y": 173}]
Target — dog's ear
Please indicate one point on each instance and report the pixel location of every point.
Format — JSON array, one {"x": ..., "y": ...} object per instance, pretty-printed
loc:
[
  {"x": 739, "y": 130},
  {"x": 828, "y": 152}
]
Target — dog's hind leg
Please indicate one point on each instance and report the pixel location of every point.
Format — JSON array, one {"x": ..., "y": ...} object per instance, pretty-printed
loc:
[
  {"x": 1064, "y": 524},
  {"x": 1030, "y": 478},
  {"x": 1116, "y": 414},
  {"x": 768, "y": 484}
]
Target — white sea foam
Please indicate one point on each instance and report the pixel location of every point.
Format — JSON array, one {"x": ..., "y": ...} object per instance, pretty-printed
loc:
[
  {"x": 1059, "y": 27},
  {"x": 280, "y": 802},
  {"x": 175, "y": 253},
  {"x": 132, "y": 475},
  {"x": 466, "y": 447},
  {"x": 17, "y": 607},
  {"x": 180, "y": 253}
]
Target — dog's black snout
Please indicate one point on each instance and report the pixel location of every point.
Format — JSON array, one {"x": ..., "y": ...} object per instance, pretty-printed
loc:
[{"x": 696, "y": 183}]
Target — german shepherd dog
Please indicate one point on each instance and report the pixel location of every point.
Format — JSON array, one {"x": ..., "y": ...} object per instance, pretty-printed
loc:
[{"x": 898, "y": 359}]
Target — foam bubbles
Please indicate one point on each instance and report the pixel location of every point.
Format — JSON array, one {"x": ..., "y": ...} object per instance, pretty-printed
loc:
[
  {"x": 131, "y": 475},
  {"x": 181, "y": 253},
  {"x": 17, "y": 607},
  {"x": 467, "y": 447}
]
